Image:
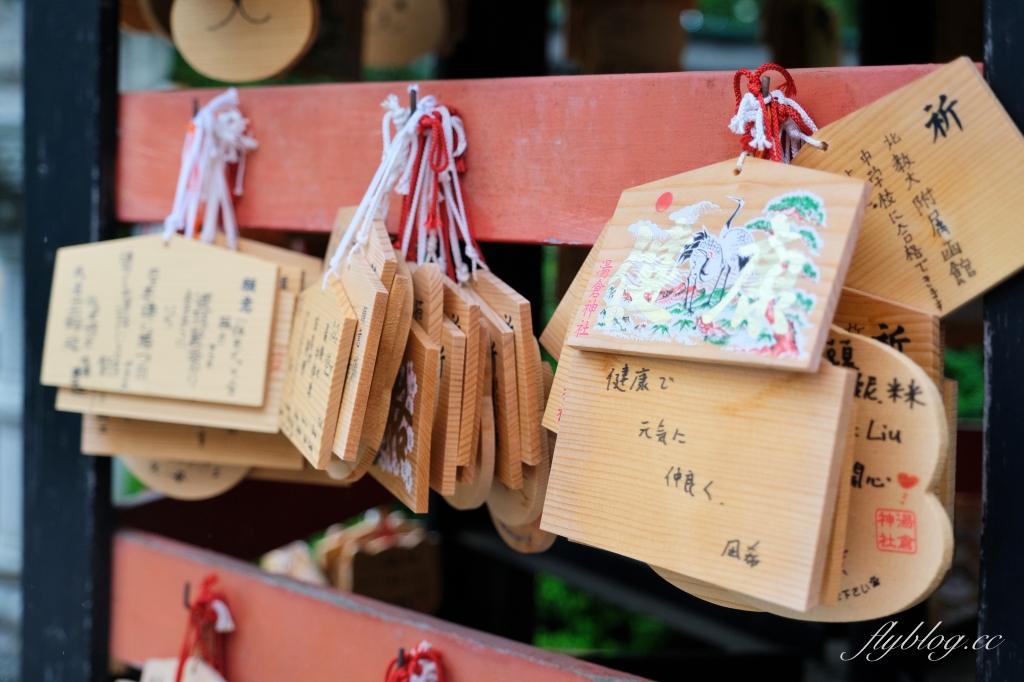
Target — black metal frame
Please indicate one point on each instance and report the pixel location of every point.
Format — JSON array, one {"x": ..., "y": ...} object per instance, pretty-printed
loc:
[
  {"x": 70, "y": 81},
  {"x": 70, "y": 123}
]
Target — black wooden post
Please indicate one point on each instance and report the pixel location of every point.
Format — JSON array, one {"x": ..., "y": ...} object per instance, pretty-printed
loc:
[
  {"x": 1002, "y": 597},
  {"x": 70, "y": 124}
]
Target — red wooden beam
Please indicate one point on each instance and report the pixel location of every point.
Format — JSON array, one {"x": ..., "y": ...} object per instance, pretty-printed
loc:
[
  {"x": 548, "y": 157},
  {"x": 287, "y": 630}
]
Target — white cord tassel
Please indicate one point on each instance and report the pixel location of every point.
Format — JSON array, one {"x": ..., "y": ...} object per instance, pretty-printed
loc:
[
  {"x": 216, "y": 138},
  {"x": 791, "y": 136}
]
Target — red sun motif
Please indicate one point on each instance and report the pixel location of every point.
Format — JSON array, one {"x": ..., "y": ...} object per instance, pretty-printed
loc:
[
  {"x": 663, "y": 202},
  {"x": 907, "y": 481}
]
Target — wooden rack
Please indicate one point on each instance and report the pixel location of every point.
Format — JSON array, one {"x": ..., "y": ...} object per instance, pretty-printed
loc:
[{"x": 548, "y": 160}]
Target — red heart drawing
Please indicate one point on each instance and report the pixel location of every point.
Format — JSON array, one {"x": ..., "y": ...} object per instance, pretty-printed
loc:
[{"x": 906, "y": 480}]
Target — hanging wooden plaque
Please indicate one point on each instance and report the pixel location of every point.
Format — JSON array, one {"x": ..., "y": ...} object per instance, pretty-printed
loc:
[
  {"x": 307, "y": 475},
  {"x": 913, "y": 332},
  {"x": 899, "y": 535},
  {"x": 263, "y": 419},
  {"x": 428, "y": 284},
  {"x": 185, "y": 443},
  {"x": 503, "y": 390},
  {"x": 939, "y": 156},
  {"x": 681, "y": 454},
  {"x": 444, "y": 449},
  {"x": 473, "y": 494},
  {"x": 180, "y": 320},
  {"x": 241, "y": 42},
  {"x": 559, "y": 324},
  {"x": 759, "y": 292},
  {"x": 186, "y": 480},
  {"x": 514, "y": 309},
  {"x": 525, "y": 539},
  {"x": 466, "y": 474},
  {"x": 318, "y": 354},
  {"x": 369, "y": 299},
  {"x": 402, "y": 462},
  {"x": 557, "y": 330},
  {"x": 463, "y": 311}
]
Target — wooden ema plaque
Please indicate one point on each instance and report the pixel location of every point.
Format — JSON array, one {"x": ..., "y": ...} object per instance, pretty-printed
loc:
[
  {"x": 703, "y": 454},
  {"x": 938, "y": 153},
  {"x": 318, "y": 354},
  {"x": 523, "y": 506},
  {"x": 263, "y": 419},
  {"x": 465, "y": 474},
  {"x": 180, "y": 320},
  {"x": 503, "y": 391},
  {"x": 186, "y": 480},
  {"x": 899, "y": 536},
  {"x": 464, "y": 312},
  {"x": 402, "y": 462},
  {"x": 558, "y": 327},
  {"x": 444, "y": 449},
  {"x": 369, "y": 299},
  {"x": 473, "y": 486},
  {"x": 184, "y": 443},
  {"x": 239, "y": 42},
  {"x": 525, "y": 539},
  {"x": 557, "y": 330},
  {"x": 712, "y": 266},
  {"x": 514, "y": 309},
  {"x": 393, "y": 339},
  {"x": 428, "y": 284}
]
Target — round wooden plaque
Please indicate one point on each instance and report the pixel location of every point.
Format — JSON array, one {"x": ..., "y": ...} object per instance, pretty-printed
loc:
[
  {"x": 185, "y": 480},
  {"x": 240, "y": 41}
]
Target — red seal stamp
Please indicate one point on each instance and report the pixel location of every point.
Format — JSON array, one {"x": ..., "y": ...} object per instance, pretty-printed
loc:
[{"x": 896, "y": 531}]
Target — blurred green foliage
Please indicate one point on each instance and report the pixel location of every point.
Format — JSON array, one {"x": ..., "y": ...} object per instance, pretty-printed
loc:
[
  {"x": 572, "y": 621},
  {"x": 966, "y": 366}
]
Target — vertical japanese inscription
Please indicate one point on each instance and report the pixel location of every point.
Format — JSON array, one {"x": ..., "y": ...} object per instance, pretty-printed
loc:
[{"x": 182, "y": 320}]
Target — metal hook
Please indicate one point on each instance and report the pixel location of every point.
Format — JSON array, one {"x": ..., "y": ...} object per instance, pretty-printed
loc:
[
  {"x": 401, "y": 658},
  {"x": 195, "y": 107},
  {"x": 188, "y": 588},
  {"x": 765, "y": 83},
  {"x": 412, "y": 100}
]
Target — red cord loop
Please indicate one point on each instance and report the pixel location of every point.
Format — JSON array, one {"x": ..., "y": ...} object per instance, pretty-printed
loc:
[
  {"x": 413, "y": 665},
  {"x": 201, "y": 632}
]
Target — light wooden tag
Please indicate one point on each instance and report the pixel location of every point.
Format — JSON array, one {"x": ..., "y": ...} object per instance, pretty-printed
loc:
[
  {"x": 560, "y": 324},
  {"x": 262, "y": 419},
  {"x": 913, "y": 332},
  {"x": 342, "y": 219},
  {"x": 184, "y": 443},
  {"x": 523, "y": 506},
  {"x": 461, "y": 309},
  {"x": 383, "y": 259},
  {"x": 318, "y": 355},
  {"x": 525, "y": 539},
  {"x": 444, "y": 449},
  {"x": 241, "y": 42},
  {"x": 472, "y": 495},
  {"x": 369, "y": 300},
  {"x": 428, "y": 284},
  {"x": 186, "y": 480},
  {"x": 628, "y": 454},
  {"x": 833, "y": 575},
  {"x": 484, "y": 377},
  {"x": 394, "y": 34},
  {"x": 402, "y": 463},
  {"x": 504, "y": 395},
  {"x": 306, "y": 476},
  {"x": 557, "y": 330},
  {"x": 305, "y": 268},
  {"x": 514, "y": 309},
  {"x": 393, "y": 339},
  {"x": 710, "y": 266},
  {"x": 899, "y": 535},
  {"x": 180, "y": 320},
  {"x": 941, "y": 156}
]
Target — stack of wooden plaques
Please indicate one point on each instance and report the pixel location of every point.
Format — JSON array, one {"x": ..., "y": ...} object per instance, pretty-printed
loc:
[
  {"x": 176, "y": 356},
  {"x": 690, "y": 395}
]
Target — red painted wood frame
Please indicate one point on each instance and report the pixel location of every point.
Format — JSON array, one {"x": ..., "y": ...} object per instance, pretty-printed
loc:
[
  {"x": 287, "y": 630},
  {"x": 548, "y": 157}
]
